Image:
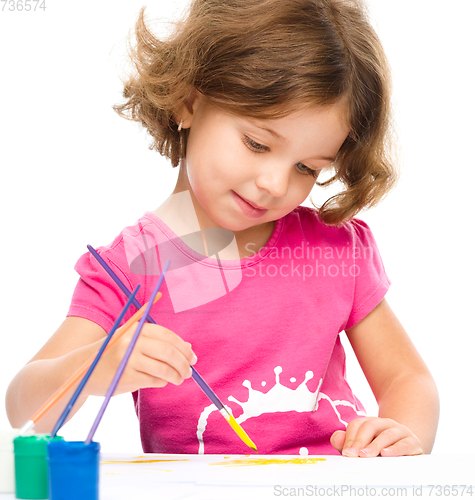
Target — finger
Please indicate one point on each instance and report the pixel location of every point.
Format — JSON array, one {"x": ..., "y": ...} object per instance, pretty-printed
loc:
[
  {"x": 162, "y": 370},
  {"x": 351, "y": 432},
  {"x": 167, "y": 354},
  {"x": 366, "y": 430},
  {"x": 132, "y": 380},
  {"x": 162, "y": 333},
  {"x": 337, "y": 440},
  {"x": 406, "y": 446},
  {"x": 385, "y": 438}
]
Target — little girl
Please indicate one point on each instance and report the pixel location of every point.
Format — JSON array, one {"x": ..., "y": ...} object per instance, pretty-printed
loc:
[{"x": 252, "y": 100}]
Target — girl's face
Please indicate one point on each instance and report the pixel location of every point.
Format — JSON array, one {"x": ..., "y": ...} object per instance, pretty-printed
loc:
[{"x": 234, "y": 163}]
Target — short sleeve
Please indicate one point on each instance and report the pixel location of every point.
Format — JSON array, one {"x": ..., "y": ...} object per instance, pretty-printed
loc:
[
  {"x": 96, "y": 297},
  {"x": 370, "y": 280}
]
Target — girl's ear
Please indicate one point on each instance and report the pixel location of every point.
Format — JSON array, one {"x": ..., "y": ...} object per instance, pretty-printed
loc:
[{"x": 188, "y": 108}]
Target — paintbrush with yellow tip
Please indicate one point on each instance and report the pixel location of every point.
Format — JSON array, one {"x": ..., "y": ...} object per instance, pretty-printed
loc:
[
  {"x": 222, "y": 409},
  {"x": 196, "y": 376}
]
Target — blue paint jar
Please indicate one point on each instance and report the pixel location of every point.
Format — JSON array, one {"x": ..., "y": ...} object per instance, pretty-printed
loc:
[{"x": 73, "y": 470}]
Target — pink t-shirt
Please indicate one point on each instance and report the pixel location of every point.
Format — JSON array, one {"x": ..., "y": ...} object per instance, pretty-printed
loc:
[{"x": 265, "y": 330}]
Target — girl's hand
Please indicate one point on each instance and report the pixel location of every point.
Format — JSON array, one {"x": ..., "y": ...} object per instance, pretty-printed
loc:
[
  {"x": 159, "y": 357},
  {"x": 373, "y": 436}
]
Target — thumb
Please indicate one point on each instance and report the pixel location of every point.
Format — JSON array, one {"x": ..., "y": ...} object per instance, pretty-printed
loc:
[{"x": 337, "y": 440}]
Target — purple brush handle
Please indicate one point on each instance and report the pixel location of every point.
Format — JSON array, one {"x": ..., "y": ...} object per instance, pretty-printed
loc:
[
  {"x": 126, "y": 357},
  {"x": 196, "y": 376}
]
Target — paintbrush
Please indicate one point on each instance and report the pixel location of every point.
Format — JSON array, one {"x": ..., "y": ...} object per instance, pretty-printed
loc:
[
  {"x": 83, "y": 382},
  {"x": 126, "y": 357},
  {"x": 68, "y": 384},
  {"x": 196, "y": 376}
]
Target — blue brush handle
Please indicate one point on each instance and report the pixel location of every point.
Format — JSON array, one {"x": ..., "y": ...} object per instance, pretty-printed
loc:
[
  {"x": 84, "y": 380},
  {"x": 196, "y": 376}
]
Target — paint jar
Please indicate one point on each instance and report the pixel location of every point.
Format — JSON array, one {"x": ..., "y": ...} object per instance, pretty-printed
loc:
[
  {"x": 7, "y": 474},
  {"x": 73, "y": 468},
  {"x": 31, "y": 471}
]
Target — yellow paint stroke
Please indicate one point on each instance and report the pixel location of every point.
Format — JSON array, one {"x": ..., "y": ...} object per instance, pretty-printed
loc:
[
  {"x": 269, "y": 461},
  {"x": 110, "y": 462},
  {"x": 122, "y": 473},
  {"x": 241, "y": 433}
]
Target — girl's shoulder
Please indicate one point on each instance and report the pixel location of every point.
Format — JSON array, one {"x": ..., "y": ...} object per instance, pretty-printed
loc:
[
  {"x": 127, "y": 244},
  {"x": 147, "y": 223},
  {"x": 308, "y": 220}
]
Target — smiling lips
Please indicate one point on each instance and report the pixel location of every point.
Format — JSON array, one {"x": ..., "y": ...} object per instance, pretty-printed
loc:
[
  {"x": 249, "y": 209},
  {"x": 253, "y": 205}
]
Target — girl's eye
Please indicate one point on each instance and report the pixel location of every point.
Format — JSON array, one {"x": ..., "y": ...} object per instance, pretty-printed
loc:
[
  {"x": 306, "y": 170},
  {"x": 260, "y": 148},
  {"x": 254, "y": 146}
]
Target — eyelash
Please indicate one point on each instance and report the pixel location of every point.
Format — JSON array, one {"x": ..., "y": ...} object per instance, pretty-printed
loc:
[{"x": 259, "y": 148}]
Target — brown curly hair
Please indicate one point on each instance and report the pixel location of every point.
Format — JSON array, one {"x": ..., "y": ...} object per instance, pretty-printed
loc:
[{"x": 265, "y": 59}]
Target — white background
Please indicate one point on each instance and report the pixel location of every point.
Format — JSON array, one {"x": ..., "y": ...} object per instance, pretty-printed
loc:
[{"x": 73, "y": 172}]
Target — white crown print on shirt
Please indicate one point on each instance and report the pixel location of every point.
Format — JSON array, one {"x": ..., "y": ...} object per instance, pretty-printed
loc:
[{"x": 278, "y": 399}]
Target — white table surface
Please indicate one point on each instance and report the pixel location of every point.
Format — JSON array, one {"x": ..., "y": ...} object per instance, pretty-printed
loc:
[{"x": 228, "y": 477}]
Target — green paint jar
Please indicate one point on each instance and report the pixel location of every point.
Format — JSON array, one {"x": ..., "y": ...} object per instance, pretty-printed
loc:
[{"x": 31, "y": 470}]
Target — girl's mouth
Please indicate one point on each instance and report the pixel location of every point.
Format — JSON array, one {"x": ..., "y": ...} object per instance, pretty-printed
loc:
[{"x": 247, "y": 208}]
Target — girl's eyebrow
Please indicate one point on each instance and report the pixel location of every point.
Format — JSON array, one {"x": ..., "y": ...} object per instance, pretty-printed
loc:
[
  {"x": 272, "y": 132},
  {"x": 331, "y": 159}
]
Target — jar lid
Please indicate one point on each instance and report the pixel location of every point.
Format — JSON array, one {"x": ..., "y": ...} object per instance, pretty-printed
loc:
[
  {"x": 33, "y": 445},
  {"x": 72, "y": 451}
]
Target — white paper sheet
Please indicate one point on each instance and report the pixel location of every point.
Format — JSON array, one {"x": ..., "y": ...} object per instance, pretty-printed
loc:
[{"x": 208, "y": 477}]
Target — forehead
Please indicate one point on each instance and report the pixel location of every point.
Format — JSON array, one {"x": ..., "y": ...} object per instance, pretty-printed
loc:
[
  {"x": 319, "y": 124},
  {"x": 336, "y": 113},
  {"x": 310, "y": 133},
  {"x": 297, "y": 122},
  {"x": 292, "y": 112}
]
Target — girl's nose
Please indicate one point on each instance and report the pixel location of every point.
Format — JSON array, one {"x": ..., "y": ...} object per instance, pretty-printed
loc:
[{"x": 274, "y": 179}]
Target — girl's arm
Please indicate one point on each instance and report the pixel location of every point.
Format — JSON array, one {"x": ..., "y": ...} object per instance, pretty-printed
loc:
[
  {"x": 159, "y": 357},
  {"x": 75, "y": 341},
  {"x": 402, "y": 385}
]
